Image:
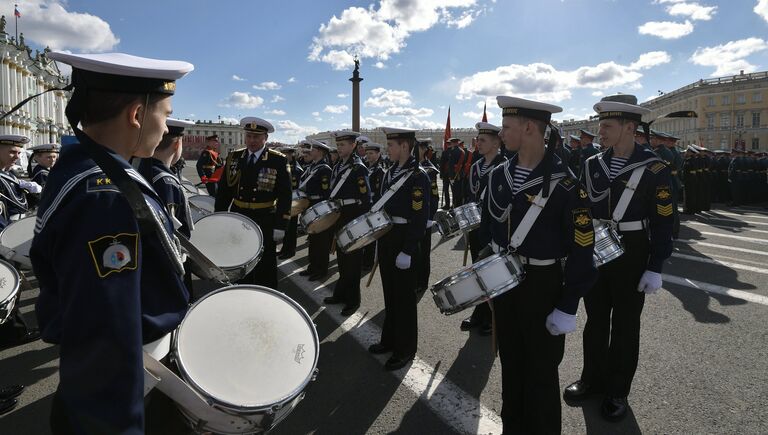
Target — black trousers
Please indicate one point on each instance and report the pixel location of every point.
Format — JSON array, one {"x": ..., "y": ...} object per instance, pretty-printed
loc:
[
  {"x": 400, "y": 331},
  {"x": 446, "y": 193},
  {"x": 458, "y": 197},
  {"x": 614, "y": 307},
  {"x": 369, "y": 256},
  {"x": 347, "y": 288},
  {"x": 319, "y": 251},
  {"x": 13, "y": 328},
  {"x": 289, "y": 241},
  {"x": 423, "y": 263},
  {"x": 265, "y": 272},
  {"x": 529, "y": 354},
  {"x": 481, "y": 314},
  {"x": 211, "y": 188}
]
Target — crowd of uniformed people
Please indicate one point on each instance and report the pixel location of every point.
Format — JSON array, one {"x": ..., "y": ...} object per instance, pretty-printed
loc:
[{"x": 112, "y": 279}]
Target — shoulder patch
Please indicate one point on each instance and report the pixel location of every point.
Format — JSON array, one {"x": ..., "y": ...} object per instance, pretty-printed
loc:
[
  {"x": 657, "y": 167},
  {"x": 362, "y": 185},
  {"x": 417, "y": 199},
  {"x": 582, "y": 218},
  {"x": 100, "y": 183},
  {"x": 568, "y": 183},
  {"x": 114, "y": 253},
  {"x": 583, "y": 233}
]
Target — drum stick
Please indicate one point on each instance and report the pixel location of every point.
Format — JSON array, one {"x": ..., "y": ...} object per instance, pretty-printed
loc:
[
  {"x": 494, "y": 343},
  {"x": 466, "y": 248},
  {"x": 333, "y": 245}
]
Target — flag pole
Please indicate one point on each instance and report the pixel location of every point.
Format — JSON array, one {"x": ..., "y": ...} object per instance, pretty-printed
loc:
[{"x": 16, "y": 21}]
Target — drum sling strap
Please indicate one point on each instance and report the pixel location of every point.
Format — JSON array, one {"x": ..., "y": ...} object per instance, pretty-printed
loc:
[
  {"x": 627, "y": 194},
  {"x": 522, "y": 230},
  {"x": 391, "y": 191},
  {"x": 341, "y": 182}
]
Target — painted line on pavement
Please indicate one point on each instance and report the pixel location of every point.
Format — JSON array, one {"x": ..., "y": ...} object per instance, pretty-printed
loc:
[
  {"x": 725, "y": 247},
  {"x": 729, "y": 236},
  {"x": 723, "y": 227},
  {"x": 452, "y": 404},
  {"x": 712, "y": 288},
  {"x": 729, "y": 264},
  {"x": 727, "y": 220},
  {"x": 741, "y": 215}
]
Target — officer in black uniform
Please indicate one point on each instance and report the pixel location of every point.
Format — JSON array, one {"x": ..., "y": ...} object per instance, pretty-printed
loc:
[
  {"x": 691, "y": 179},
  {"x": 532, "y": 318},
  {"x": 676, "y": 170},
  {"x": 45, "y": 156},
  {"x": 409, "y": 208},
  {"x": 615, "y": 304},
  {"x": 488, "y": 144},
  {"x": 208, "y": 162},
  {"x": 350, "y": 187},
  {"x": 574, "y": 162},
  {"x": 423, "y": 266},
  {"x": 288, "y": 249},
  {"x": 107, "y": 287},
  {"x": 376, "y": 171},
  {"x": 315, "y": 182},
  {"x": 446, "y": 173},
  {"x": 588, "y": 149},
  {"x": 256, "y": 183}
]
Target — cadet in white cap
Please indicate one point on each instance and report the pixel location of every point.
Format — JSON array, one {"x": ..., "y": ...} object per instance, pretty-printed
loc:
[
  {"x": 398, "y": 249},
  {"x": 360, "y": 141},
  {"x": 533, "y": 209},
  {"x": 256, "y": 183},
  {"x": 376, "y": 170},
  {"x": 316, "y": 184},
  {"x": 45, "y": 156},
  {"x": 111, "y": 277},
  {"x": 423, "y": 263},
  {"x": 629, "y": 186}
]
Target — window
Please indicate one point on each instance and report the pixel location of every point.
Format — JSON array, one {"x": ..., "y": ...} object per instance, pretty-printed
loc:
[
  {"x": 726, "y": 100},
  {"x": 709, "y": 140},
  {"x": 755, "y": 143},
  {"x": 725, "y": 120},
  {"x": 711, "y": 101},
  {"x": 710, "y": 120},
  {"x": 757, "y": 97},
  {"x": 740, "y": 119},
  {"x": 755, "y": 119},
  {"x": 741, "y": 99},
  {"x": 723, "y": 142}
]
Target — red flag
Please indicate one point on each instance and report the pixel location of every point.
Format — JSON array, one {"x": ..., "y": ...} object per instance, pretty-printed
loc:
[
  {"x": 16, "y": 11},
  {"x": 447, "y": 129},
  {"x": 485, "y": 115}
]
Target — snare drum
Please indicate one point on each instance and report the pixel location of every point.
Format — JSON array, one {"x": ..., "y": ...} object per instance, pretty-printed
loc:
[
  {"x": 320, "y": 216},
  {"x": 478, "y": 283},
  {"x": 608, "y": 245},
  {"x": 201, "y": 205},
  {"x": 363, "y": 231},
  {"x": 231, "y": 241},
  {"x": 462, "y": 219},
  {"x": 18, "y": 237},
  {"x": 9, "y": 290},
  {"x": 191, "y": 189},
  {"x": 299, "y": 203},
  {"x": 250, "y": 352}
]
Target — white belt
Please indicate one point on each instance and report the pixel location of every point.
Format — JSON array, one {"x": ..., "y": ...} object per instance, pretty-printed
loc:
[
  {"x": 159, "y": 348},
  {"x": 343, "y": 202},
  {"x": 525, "y": 260},
  {"x": 399, "y": 220},
  {"x": 315, "y": 197},
  {"x": 631, "y": 226}
]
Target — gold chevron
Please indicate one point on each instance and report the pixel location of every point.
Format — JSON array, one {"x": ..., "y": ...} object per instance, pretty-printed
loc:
[{"x": 664, "y": 210}]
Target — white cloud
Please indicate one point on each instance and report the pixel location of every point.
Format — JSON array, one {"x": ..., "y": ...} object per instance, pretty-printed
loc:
[
  {"x": 342, "y": 95},
  {"x": 729, "y": 58},
  {"x": 49, "y": 23},
  {"x": 315, "y": 113},
  {"x": 291, "y": 130},
  {"x": 276, "y": 112},
  {"x": 229, "y": 120},
  {"x": 267, "y": 86},
  {"x": 666, "y": 29},
  {"x": 544, "y": 82},
  {"x": 277, "y": 99},
  {"x": 407, "y": 122},
  {"x": 598, "y": 93},
  {"x": 379, "y": 33},
  {"x": 478, "y": 116},
  {"x": 336, "y": 109},
  {"x": 237, "y": 78},
  {"x": 761, "y": 9},
  {"x": 379, "y": 65},
  {"x": 243, "y": 100},
  {"x": 407, "y": 111},
  {"x": 694, "y": 11},
  {"x": 292, "y": 80},
  {"x": 388, "y": 98}
]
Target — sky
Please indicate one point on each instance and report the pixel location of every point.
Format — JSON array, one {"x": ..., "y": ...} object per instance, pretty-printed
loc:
[{"x": 289, "y": 61}]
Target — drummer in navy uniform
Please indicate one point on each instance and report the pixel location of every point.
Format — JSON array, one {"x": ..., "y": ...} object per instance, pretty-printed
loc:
[
  {"x": 315, "y": 182},
  {"x": 376, "y": 172},
  {"x": 256, "y": 183},
  {"x": 208, "y": 162},
  {"x": 288, "y": 249},
  {"x": 409, "y": 208},
  {"x": 107, "y": 287},
  {"x": 423, "y": 265},
  {"x": 45, "y": 156},
  {"x": 533, "y": 318},
  {"x": 350, "y": 187},
  {"x": 14, "y": 191},
  {"x": 489, "y": 145},
  {"x": 615, "y": 304},
  {"x": 588, "y": 149}
]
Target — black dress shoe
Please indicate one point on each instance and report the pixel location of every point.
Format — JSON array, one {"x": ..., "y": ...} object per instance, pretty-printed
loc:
[
  {"x": 485, "y": 330},
  {"x": 29, "y": 336},
  {"x": 332, "y": 300},
  {"x": 305, "y": 272},
  {"x": 10, "y": 391},
  {"x": 378, "y": 349},
  {"x": 468, "y": 324},
  {"x": 397, "y": 362},
  {"x": 348, "y": 311},
  {"x": 7, "y": 405},
  {"x": 578, "y": 390},
  {"x": 614, "y": 408}
]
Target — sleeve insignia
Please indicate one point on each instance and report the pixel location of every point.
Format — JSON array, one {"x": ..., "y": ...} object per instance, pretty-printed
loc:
[
  {"x": 325, "y": 183},
  {"x": 114, "y": 254},
  {"x": 361, "y": 184},
  {"x": 582, "y": 218},
  {"x": 583, "y": 238},
  {"x": 417, "y": 202},
  {"x": 662, "y": 193},
  {"x": 664, "y": 210},
  {"x": 417, "y": 194},
  {"x": 100, "y": 183}
]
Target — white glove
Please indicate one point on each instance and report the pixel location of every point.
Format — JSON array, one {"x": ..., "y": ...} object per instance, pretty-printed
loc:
[
  {"x": 277, "y": 235},
  {"x": 650, "y": 282},
  {"x": 403, "y": 261},
  {"x": 30, "y": 186},
  {"x": 430, "y": 223},
  {"x": 559, "y": 323}
]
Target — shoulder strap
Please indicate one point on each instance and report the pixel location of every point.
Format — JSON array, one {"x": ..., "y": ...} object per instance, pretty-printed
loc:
[
  {"x": 391, "y": 191},
  {"x": 518, "y": 237},
  {"x": 627, "y": 194},
  {"x": 341, "y": 181}
]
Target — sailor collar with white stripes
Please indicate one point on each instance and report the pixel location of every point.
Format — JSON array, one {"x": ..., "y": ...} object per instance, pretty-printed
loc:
[
  {"x": 640, "y": 157},
  {"x": 343, "y": 166},
  {"x": 396, "y": 171}
]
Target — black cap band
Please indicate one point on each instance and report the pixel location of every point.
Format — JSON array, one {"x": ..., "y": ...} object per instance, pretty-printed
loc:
[
  {"x": 117, "y": 83},
  {"x": 540, "y": 115},
  {"x": 621, "y": 115}
]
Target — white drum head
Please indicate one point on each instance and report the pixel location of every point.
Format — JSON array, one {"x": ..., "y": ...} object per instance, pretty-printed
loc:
[
  {"x": 206, "y": 202},
  {"x": 227, "y": 239},
  {"x": 9, "y": 281},
  {"x": 18, "y": 236},
  {"x": 247, "y": 347}
]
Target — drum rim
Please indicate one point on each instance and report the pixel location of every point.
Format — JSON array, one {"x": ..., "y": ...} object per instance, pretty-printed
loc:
[
  {"x": 246, "y": 264},
  {"x": 16, "y": 288},
  {"x": 469, "y": 270},
  {"x": 223, "y": 404},
  {"x": 6, "y": 229},
  {"x": 332, "y": 204},
  {"x": 363, "y": 217},
  {"x": 200, "y": 195}
]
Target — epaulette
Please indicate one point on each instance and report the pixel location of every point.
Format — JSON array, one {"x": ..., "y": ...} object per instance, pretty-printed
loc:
[
  {"x": 567, "y": 183},
  {"x": 236, "y": 154},
  {"x": 657, "y": 167},
  {"x": 275, "y": 152}
]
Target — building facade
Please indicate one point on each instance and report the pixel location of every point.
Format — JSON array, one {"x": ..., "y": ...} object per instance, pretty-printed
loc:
[
  {"x": 378, "y": 136},
  {"x": 732, "y": 113},
  {"x": 230, "y": 137}
]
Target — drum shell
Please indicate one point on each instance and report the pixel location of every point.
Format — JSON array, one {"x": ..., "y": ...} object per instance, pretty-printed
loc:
[
  {"x": 18, "y": 237},
  {"x": 462, "y": 219},
  {"x": 235, "y": 272},
  {"x": 373, "y": 226},
  {"x": 9, "y": 297},
  {"x": 608, "y": 245},
  {"x": 320, "y": 216},
  {"x": 299, "y": 203}
]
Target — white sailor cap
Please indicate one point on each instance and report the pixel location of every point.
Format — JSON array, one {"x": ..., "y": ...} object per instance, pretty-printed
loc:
[
  {"x": 486, "y": 128},
  {"x": 46, "y": 148},
  {"x": 693, "y": 148},
  {"x": 340, "y": 135},
  {"x": 176, "y": 126},
  {"x": 256, "y": 125},
  {"x": 513, "y": 106},
  {"x": 305, "y": 143},
  {"x": 610, "y": 108},
  {"x": 287, "y": 149},
  {"x": 399, "y": 133},
  {"x": 319, "y": 145},
  {"x": 13, "y": 139},
  {"x": 373, "y": 146},
  {"x": 122, "y": 72},
  {"x": 574, "y": 137},
  {"x": 454, "y": 139},
  {"x": 362, "y": 139},
  {"x": 424, "y": 142},
  {"x": 587, "y": 133}
]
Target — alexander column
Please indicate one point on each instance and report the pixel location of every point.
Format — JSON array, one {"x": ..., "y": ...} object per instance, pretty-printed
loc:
[{"x": 356, "y": 79}]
